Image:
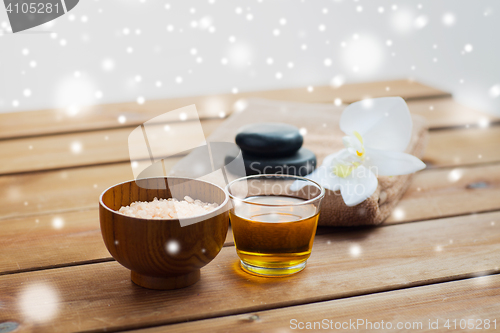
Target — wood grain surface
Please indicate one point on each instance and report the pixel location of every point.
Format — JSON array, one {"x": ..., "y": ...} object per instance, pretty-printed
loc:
[
  {"x": 463, "y": 147},
  {"x": 50, "y": 241},
  {"x": 446, "y": 112},
  {"x": 43, "y": 122},
  {"x": 101, "y": 296},
  {"x": 92, "y": 148},
  {"x": 471, "y": 303},
  {"x": 34, "y": 194},
  {"x": 55, "y": 240},
  {"x": 57, "y": 276},
  {"x": 433, "y": 194},
  {"x": 449, "y": 192},
  {"x": 446, "y": 148}
]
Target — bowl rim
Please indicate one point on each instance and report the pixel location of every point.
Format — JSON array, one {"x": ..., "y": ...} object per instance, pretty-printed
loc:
[
  {"x": 306, "y": 202},
  {"x": 223, "y": 204}
]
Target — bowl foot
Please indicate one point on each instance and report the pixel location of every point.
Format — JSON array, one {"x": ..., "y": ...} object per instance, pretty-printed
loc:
[{"x": 166, "y": 283}]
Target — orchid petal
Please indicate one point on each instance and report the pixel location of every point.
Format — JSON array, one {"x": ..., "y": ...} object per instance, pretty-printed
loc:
[
  {"x": 324, "y": 176},
  {"x": 384, "y": 123},
  {"x": 321, "y": 175},
  {"x": 392, "y": 163},
  {"x": 358, "y": 187},
  {"x": 329, "y": 160},
  {"x": 344, "y": 156}
]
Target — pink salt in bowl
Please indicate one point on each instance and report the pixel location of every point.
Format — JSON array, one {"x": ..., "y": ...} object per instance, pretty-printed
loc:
[{"x": 161, "y": 253}]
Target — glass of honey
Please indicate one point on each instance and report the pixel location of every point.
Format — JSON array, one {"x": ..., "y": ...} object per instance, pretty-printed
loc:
[{"x": 274, "y": 220}]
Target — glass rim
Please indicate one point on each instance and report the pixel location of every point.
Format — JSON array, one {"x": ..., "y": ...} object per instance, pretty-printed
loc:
[{"x": 306, "y": 202}]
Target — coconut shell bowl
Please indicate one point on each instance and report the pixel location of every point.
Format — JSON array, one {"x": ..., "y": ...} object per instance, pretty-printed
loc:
[{"x": 161, "y": 253}]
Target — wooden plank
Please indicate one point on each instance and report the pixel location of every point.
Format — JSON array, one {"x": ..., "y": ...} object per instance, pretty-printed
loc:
[
  {"x": 463, "y": 147},
  {"x": 59, "y": 191},
  {"x": 445, "y": 112},
  {"x": 51, "y": 240},
  {"x": 54, "y": 215},
  {"x": 446, "y": 148},
  {"x": 102, "y": 297},
  {"x": 469, "y": 302},
  {"x": 98, "y": 147},
  {"x": 54, "y": 240},
  {"x": 42, "y": 122},
  {"x": 433, "y": 194},
  {"x": 437, "y": 193},
  {"x": 474, "y": 187},
  {"x": 349, "y": 93}
]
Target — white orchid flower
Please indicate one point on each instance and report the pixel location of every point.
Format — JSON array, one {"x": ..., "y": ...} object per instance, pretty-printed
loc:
[{"x": 377, "y": 134}]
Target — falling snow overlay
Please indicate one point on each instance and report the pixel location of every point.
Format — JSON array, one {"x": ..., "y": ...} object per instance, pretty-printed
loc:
[{"x": 103, "y": 51}]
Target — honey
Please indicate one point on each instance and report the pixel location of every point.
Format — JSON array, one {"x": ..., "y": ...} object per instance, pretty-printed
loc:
[{"x": 275, "y": 233}]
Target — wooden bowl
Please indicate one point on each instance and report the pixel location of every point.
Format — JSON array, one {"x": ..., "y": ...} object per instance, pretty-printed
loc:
[{"x": 160, "y": 252}]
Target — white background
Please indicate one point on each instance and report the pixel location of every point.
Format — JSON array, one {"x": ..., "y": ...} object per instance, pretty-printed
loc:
[{"x": 131, "y": 50}]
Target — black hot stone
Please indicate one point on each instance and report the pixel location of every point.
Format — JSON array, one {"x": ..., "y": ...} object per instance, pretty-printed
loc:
[
  {"x": 269, "y": 139},
  {"x": 302, "y": 163}
]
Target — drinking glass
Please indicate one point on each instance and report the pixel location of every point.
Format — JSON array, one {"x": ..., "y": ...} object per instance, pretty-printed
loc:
[{"x": 274, "y": 220}]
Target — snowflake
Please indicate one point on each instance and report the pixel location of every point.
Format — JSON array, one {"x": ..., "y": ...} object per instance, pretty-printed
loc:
[
  {"x": 76, "y": 147},
  {"x": 337, "y": 81},
  {"x": 494, "y": 91},
  {"x": 173, "y": 247},
  {"x": 108, "y": 65},
  {"x": 57, "y": 223},
  {"x": 421, "y": 21},
  {"x": 449, "y": 19}
]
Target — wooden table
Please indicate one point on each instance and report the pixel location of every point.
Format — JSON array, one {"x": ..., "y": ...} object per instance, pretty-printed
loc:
[{"x": 437, "y": 258}]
